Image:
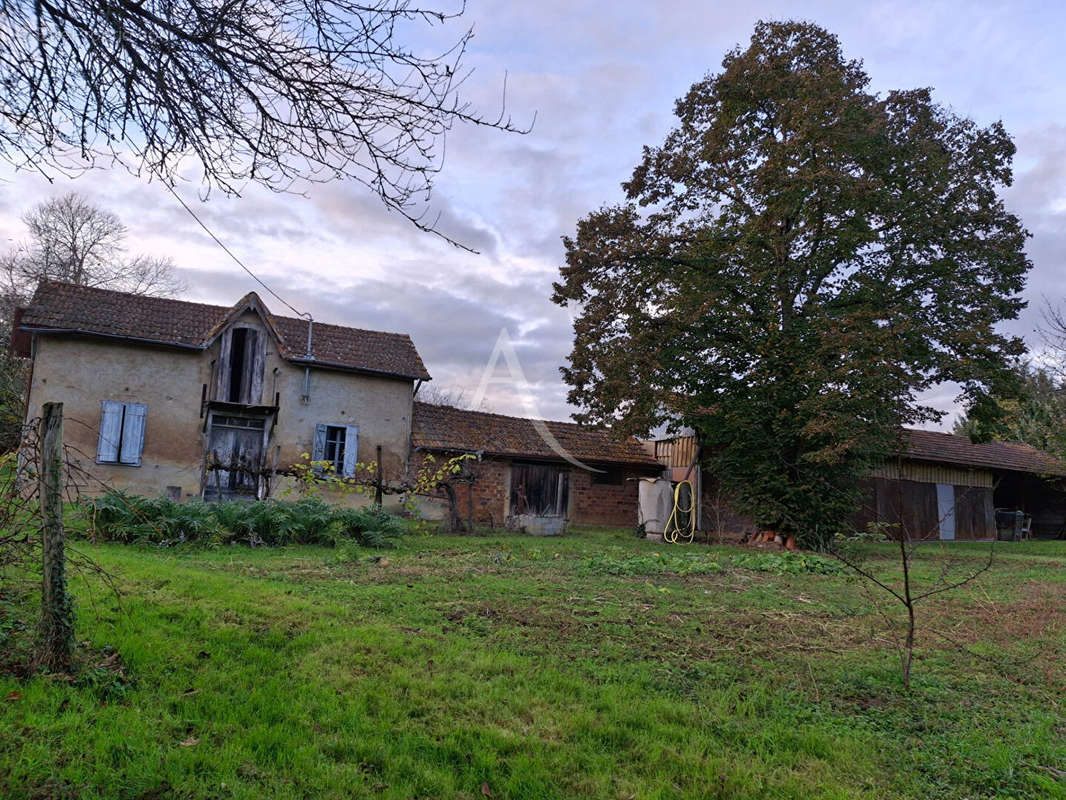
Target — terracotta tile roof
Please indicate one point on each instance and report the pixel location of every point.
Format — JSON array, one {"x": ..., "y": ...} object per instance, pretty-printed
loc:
[
  {"x": 101, "y": 312},
  {"x": 950, "y": 449},
  {"x": 436, "y": 427}
]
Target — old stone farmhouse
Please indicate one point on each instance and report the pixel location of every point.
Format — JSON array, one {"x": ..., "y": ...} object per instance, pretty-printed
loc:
[
  {"x": 156, "y": 392},
  {"x": 193, "y": 400}
]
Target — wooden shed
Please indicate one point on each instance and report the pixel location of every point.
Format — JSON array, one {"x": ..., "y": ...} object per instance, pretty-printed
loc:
[{"x": 946, "y": 487}]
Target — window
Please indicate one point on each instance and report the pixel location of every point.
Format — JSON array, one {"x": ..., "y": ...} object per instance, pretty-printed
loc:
[
  {"x": 337, "y": 444},
  {"x": 252, "y": 423},
  {"x": 239, "y": 377},
  {"x": 121, "y": 433},
  {"x": 335, "y": 447}
]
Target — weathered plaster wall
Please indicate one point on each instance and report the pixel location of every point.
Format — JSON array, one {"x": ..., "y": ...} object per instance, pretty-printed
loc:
[
  {"x": 82, "y": 373},
  {"x": 381, "y": 407}
]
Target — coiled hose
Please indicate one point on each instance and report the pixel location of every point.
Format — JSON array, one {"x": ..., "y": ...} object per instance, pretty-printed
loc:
[{"x": 674, "y": 532}]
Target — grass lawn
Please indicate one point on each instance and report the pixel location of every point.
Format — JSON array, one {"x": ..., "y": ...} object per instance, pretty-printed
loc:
[{"x": 516, "y": 667}]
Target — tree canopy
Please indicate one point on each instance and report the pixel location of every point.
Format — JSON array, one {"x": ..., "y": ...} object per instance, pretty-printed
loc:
[
  {"x": 266, "y": 91},
  {"x": 795, "y": 264}
]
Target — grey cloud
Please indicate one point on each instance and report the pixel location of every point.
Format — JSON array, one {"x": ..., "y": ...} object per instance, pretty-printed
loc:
[
  {"x": 1038, "y": 196},
  {"x": 455, "y": 333}
]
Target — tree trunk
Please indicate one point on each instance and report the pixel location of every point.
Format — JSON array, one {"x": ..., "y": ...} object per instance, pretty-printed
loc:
[
  {"x": 377, "y": 480},
  {"x": 57, "y": 620},
  {"x": 454, "y": 523},
  {"x": 908, "y": 601}
]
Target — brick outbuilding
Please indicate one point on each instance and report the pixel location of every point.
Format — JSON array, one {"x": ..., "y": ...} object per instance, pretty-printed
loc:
[{"x": 576, "y": 473}]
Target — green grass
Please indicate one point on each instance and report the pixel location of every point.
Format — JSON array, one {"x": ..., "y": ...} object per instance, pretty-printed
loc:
[{"x": 593, "y": 666}]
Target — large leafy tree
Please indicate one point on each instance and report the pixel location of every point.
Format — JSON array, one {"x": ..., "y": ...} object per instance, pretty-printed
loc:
[{"x": 792, "y": 267}]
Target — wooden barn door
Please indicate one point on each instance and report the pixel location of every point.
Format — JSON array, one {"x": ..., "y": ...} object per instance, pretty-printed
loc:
[
  {"x": 945, "y": 507},
  {"x": 235, "y": 449},
  {"x": 540, "y": 489}
]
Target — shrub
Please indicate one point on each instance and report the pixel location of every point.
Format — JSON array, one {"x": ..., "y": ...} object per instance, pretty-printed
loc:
[
  {"x": 370, "y": 527},
  {"x": 120, "y": 517},
  {"x": 311, "y": 520}
]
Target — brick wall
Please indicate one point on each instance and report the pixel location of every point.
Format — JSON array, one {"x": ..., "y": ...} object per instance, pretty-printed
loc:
[
  {"x": 603, "y": 503},
  {"x": 488, "y": 490}
]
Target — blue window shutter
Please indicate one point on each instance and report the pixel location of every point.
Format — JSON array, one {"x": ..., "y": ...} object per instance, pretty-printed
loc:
[
  {"x": 351, "y": 450},
  {"x": 318, "y": 447},
  {"x": 133, "y": 433},
  {"x": 110, "y": 431}
]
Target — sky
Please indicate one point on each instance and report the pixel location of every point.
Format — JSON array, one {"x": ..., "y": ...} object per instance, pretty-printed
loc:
[{"x": 601, "y": 80}]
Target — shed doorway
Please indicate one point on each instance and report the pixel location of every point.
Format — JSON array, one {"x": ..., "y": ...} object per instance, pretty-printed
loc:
[
  {"x": 540, "y": 490},
  {"x": 945, "y": 507}
]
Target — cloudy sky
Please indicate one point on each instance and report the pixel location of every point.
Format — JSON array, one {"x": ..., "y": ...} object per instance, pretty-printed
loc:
[{"x": 602, "y": 83}]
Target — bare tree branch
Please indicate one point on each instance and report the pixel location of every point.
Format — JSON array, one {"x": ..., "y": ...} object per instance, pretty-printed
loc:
[{"x": 267, "y": 91}]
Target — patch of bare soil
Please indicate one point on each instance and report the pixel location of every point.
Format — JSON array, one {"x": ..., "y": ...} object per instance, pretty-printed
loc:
[
  {"x": 678, "y": 637},
  {"x": 1038, "y": 613}
]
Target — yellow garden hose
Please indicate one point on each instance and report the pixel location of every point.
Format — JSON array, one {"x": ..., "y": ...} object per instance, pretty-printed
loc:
[{"x": 673, "y": 531}]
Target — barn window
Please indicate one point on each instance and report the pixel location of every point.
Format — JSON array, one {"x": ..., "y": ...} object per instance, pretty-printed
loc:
[
  {"x": 240, "y": 371},
  {"x": 337, "y": 444},
  {"x": 540, "y": 489},
  {"x": 121, "y": 433}
]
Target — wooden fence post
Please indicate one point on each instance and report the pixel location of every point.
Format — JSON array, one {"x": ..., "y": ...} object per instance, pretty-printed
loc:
[{"x": 57, "y": 622}]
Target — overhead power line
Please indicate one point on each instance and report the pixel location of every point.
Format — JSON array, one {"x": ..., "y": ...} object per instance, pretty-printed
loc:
[{"x": 230, "y": 253}]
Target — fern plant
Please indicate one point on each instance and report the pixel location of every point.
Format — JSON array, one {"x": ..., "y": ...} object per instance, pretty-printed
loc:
[{"x": 121, "y": 517}]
